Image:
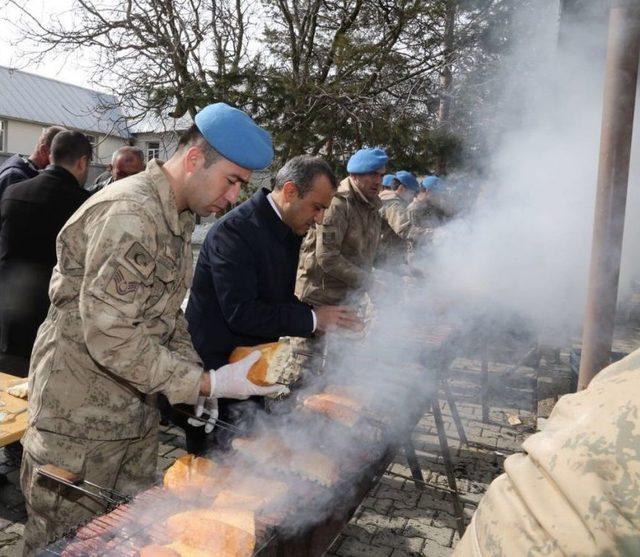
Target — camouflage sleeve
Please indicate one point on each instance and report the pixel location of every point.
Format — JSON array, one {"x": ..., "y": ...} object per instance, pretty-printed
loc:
[
  {"x": 329, "y": 246},
  {"x": 180, "y": 341},
  {"x": 117, "y": 285},
  {"x": 400, "y": 222},
  {"x": 573, "y": 491}
]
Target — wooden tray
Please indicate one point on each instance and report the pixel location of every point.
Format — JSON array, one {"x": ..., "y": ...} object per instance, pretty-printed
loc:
[{"x": 13, "y": 427}]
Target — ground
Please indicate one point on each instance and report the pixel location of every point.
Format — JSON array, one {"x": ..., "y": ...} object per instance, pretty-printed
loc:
[{"x": 397, "y": 519}]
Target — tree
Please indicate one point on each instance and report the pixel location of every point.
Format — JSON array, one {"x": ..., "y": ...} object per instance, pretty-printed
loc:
[{"x": 325, "y": 76}]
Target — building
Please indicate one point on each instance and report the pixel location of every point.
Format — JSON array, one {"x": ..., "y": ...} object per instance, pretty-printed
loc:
[{"x": 29, "y": 103}]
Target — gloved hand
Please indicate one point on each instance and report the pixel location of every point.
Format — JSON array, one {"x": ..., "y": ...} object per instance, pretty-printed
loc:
[
  {"x": 207, "y": 409},
  {"x": 231, "y": 381}
]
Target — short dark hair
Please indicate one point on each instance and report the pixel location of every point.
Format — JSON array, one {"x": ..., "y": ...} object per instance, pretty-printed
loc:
[
  {"x": 68, "y": 147},
  {"x": 302, "y": 171},
  {"x": 193, "y": 136},
  {"x": 47, "y": 135}
]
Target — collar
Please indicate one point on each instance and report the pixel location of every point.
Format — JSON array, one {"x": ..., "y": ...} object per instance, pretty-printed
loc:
[
  {"x": 359, "y": 196},
  {"x": 62, "y": 173},
  {"x": 181, "y": 224},
  {"x": 273, "y": 204},
  {"x": 272, "y": 214}
]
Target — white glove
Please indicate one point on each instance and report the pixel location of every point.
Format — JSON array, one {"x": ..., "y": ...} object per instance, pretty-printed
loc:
[
  {"x": 231, "y": 381},
  {"x": 207, "y": 409}
]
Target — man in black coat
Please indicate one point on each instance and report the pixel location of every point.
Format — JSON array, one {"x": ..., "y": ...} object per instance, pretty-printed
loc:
[
  {"x": 244, "y": 281},
  {"x": 20, "y": 167},
  {"x": 32, "y": 212}
]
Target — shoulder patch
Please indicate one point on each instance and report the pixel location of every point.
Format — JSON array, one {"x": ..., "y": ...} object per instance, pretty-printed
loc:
[
  {"x": 123, "y": 284},
  {"x": 141, "y": 259}
]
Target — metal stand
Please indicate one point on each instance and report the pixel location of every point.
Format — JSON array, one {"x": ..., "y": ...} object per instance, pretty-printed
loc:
[
  {"x": 484, "y": 378},
  {"x": 448, "y": 465},
  {"x": 412, "y": 460}
]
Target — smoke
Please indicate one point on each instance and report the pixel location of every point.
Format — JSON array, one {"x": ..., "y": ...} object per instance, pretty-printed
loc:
[{"x": 523, "y": 249}]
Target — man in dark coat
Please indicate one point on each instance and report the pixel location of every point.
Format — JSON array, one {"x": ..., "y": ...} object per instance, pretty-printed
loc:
[
  {"x": 32, "y": 213},
  {"x": 244, "y": 281},
  {"x": 20, "y": 167}
]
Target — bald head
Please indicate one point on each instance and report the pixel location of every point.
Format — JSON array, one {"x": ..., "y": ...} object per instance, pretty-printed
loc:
[{"x": 126, "y": 161}]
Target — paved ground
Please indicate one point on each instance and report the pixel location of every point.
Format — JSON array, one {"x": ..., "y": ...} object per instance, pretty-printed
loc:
[{"x": 397, "y": 519}]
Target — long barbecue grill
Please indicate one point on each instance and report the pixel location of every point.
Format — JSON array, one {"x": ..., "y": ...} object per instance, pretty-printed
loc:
[{"x": 129, "y": 527}]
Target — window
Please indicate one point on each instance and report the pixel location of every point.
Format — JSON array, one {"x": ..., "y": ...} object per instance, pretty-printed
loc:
[
  {"x": 153, "y": 150},
  {"x": 3, "y": 135}
]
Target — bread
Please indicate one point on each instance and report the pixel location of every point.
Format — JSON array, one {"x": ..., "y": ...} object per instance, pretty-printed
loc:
[
  {"x": 337, "y": 407},
  {"x": 220, "y": 532},
  {"x": 189, "y": 475},
  {"x": 155, "y": 550},
  {"x": 315, "y": 466},
  {"x": 266, "y": 371},
  {"x": 21, "y": 390}
]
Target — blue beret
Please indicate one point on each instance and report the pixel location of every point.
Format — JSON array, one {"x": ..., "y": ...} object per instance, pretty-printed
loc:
[
  {"x": 430, "y": 183},
  {"x": 367, "y": 160},
  {"x": 387, "y": 180},
  {"x": 407, "y": 179},
  {"x": 235, "y": 136}
]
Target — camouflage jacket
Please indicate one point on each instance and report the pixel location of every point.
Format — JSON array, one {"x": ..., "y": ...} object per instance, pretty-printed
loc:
[
  {"x": 402, "y": 234},
  {"x": 426, "y": 215},
  {"x": 115, "y": 334},
  {"x": 337, "y": 256},
  {"x": 574, "y": 490}
]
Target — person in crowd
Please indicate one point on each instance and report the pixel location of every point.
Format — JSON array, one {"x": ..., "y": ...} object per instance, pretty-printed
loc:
[
  {"x": 244, "y": 281},
  {"x": 32, "y": 213},
  {"x": 20, "y": 167},
  {"x": 337, "y": 255},
  {"x": 402, "y": 233},
  {"x": 387, "y": 182},
  {"x": 125, "y": 162},
  {"x": 426, "y": 210},
  {"x": 115, "y": 336},
  {"x": 574, "y": 488}
]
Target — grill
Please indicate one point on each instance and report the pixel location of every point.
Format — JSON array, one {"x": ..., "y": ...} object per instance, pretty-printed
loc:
[{"x": 126, "y": 529}]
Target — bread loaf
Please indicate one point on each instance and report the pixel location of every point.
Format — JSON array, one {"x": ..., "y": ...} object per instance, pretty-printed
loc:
[{"x": 266, "y": 371}]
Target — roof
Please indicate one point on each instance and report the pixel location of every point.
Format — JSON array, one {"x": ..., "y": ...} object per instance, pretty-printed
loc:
[
  {"x": 25, "y": 96},
  {"x": 154, "y": 123}
]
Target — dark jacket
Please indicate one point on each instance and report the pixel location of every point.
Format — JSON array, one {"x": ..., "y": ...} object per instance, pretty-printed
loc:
[
  {"x": 243, "y": 285},
  {"x": 32, "y": 213},
  {"x": 16, "y": 169}
]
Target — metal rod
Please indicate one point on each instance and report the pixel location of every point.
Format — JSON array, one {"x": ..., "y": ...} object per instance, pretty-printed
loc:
[
  {"x": 217, "y": 423},
  {"x": 621, "y": 76}
]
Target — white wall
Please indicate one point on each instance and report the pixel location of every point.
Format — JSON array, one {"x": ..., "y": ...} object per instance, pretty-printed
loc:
[
  {"x": 168, "y": 142},
  {"x": 23, "y": 136}
]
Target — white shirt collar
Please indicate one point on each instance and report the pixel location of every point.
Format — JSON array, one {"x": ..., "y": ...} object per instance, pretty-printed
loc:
[{"x": 273, "y": 204}]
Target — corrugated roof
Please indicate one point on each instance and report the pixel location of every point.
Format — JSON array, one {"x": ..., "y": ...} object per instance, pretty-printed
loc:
[
  {"x": 26, "y": 96},
  {"x": 153, "y": 123}
]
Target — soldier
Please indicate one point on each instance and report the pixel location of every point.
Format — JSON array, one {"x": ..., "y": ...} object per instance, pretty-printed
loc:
[
  {"x": 387, "y": 182},
  {"x": 337, "y": 256},
  {"x": 425, "y": 209},
  {"x": 574, "y": 489},
  {"x": 115, "y": 336},
  {"x": 402, "y": 233}
]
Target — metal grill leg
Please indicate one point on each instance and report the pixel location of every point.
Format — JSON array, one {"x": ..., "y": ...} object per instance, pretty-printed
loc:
[
  {"x": 448, "y": 465},
  {"x": 484, "y": 395},
  {"x": 412, "y": 460},
  {"x": 454, "y": 411}
]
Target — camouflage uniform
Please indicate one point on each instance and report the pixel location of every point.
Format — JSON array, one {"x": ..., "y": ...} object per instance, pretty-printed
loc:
[
  {"x": 113, "y": 338},
  {"x": 402, "y": 233},
  {"x": 426, "y": 214},
  {"x": 336, "y": 259},
  {"x": 574, "y": 491}
]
